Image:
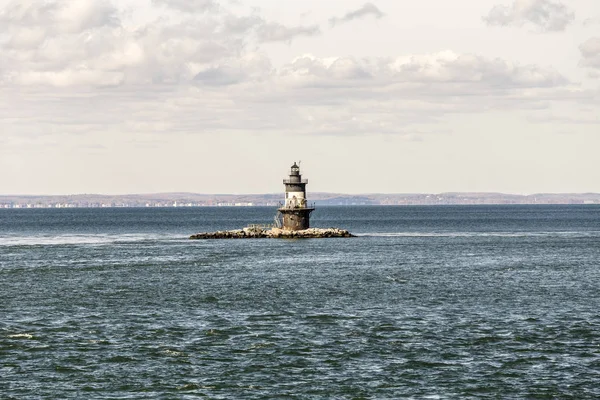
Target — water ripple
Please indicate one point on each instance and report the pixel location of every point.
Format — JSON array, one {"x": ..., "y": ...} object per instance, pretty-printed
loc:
[{"x": 411, "y": 315}]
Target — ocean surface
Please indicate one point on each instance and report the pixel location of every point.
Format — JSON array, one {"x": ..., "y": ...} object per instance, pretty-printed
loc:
[{"x": 426, "y": 303}]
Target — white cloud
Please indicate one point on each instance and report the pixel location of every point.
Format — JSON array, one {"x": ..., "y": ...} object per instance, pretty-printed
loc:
[
  {"x": 407, "y": 96},
  {"x": 28, "y": 23},
  {"x": 368, "y": 9},
  {"x": 211, "y": 69},
  {"x": 547, "y": 15},
  {"x": 86, "y": 42},
  {"x": 468, "y": 72}
]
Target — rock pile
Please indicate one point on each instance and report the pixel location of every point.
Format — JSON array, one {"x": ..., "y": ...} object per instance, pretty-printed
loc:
[
  {"x": 274, "y": 233},
  {"x": 309, "y": 233}
]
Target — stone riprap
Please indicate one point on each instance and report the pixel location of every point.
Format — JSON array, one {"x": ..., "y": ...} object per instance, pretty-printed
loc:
[{"x": 275, "y": 233}]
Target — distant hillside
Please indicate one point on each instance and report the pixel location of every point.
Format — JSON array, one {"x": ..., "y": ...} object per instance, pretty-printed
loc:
[{"x": 320, "y": 199}]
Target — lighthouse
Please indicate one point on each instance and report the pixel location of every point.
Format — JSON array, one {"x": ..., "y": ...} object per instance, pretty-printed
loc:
[{"x": 295, "y": 211}]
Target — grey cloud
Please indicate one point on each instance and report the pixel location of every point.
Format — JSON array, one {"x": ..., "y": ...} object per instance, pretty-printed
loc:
[
  {"x": 368, "y": 9},
  {"x": 189, "y": 6},
  {"x": 275, "y": 32},
  {"x": 241, "y": 25},
  {"x": 571, "y": 120},
  {"x": 590, "y": 52},
  {"x": 248, "y": 69},
  {"x": 219, "y": 76},
  {"x": 266, "y": 31},
  {"x": 314, "y": 71},
  {"x": 591, "y": 21},
  {"x": 547, "y": 15}
]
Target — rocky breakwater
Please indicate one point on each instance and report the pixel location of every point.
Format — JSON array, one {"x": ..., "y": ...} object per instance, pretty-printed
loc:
[{"x": 275, "y": 233}]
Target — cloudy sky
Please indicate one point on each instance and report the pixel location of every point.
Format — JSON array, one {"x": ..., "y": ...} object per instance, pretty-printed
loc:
[{"x": 221, "y": 96}]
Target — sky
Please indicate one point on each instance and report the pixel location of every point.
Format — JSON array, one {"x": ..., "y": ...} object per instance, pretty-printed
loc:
[{"x": 222, "y": 96}]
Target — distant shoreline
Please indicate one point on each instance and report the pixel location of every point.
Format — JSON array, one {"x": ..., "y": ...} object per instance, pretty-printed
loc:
[{"x": 274, "y": 199}]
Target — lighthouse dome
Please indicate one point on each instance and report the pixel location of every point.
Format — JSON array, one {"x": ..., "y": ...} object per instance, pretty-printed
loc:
[{"x": 295, "y": 169}]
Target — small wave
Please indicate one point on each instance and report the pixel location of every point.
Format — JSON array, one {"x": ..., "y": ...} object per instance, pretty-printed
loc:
[
  {"x": 194, "y": 386},
  {"x": 21, "y": 336},
  {"x": 173, "y": 353},
  {"x": 396, "y": 279},
  {"x": 120, "y": 359},
  {"x": 189, "y": 386},
  {"x": 262, "y": 345}
]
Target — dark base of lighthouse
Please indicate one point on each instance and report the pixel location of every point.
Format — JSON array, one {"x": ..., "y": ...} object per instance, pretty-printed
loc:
[{"x": 296, "y": 219}]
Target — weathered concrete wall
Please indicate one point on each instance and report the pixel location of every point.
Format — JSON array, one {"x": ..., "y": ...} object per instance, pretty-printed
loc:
[
  {"x": 294, "y": 199},
  {"x": 298, "y": 187},
  {"x": 296, "y": 219}
]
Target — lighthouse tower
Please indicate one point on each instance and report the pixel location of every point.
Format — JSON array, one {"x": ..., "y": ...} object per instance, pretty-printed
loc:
[{"x": 295, "y": 211}]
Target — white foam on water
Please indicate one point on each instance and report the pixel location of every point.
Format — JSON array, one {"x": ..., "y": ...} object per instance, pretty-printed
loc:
[
  {"x": 21, "y": 336},
  {"x": 174, "y": 353}
]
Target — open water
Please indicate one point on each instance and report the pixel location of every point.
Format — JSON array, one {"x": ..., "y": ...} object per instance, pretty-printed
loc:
[{"x": 428, "y": 302}]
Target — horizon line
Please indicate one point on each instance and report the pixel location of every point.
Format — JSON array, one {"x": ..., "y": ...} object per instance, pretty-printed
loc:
[{"x": 316, "y": 192}]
